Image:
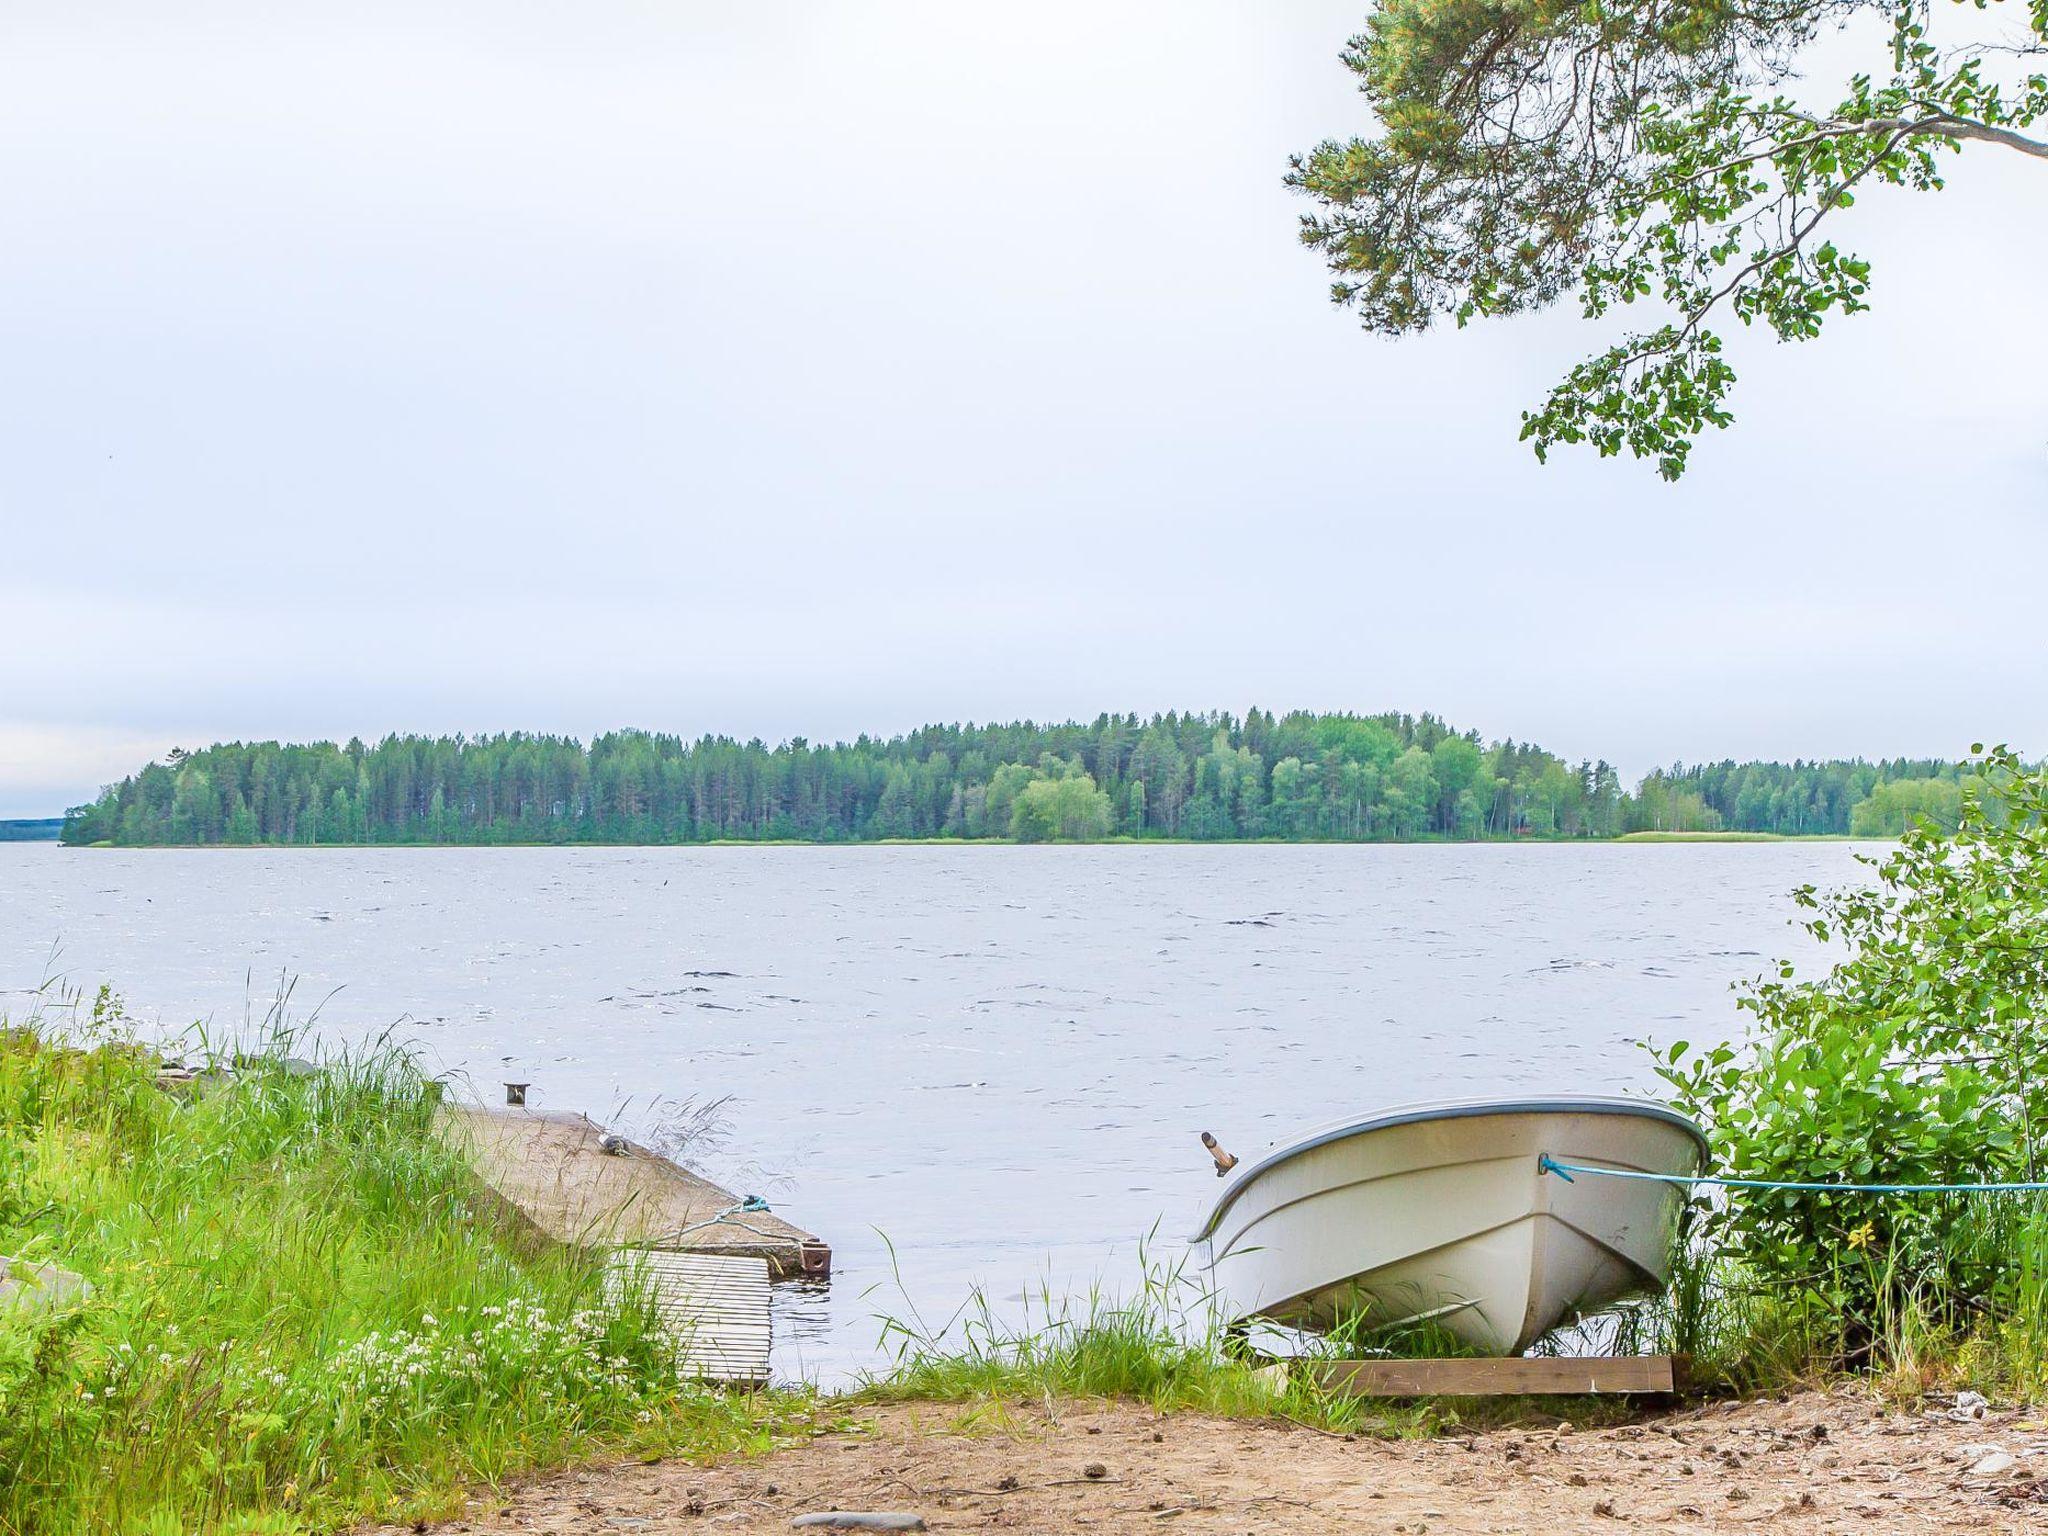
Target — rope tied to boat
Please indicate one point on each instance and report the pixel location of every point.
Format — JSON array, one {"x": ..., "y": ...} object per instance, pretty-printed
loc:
[{"x": 1545, "y": 1163}]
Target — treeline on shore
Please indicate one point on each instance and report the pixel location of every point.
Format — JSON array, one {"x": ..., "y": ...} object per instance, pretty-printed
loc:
[{"x": 1300, "y": 776}]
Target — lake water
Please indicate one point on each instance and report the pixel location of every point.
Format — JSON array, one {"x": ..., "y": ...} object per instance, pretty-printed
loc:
[{"x": 999, "y": 1057}]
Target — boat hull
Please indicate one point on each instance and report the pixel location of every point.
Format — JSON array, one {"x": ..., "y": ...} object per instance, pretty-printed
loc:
[{"x": 1440, "y": 1212}]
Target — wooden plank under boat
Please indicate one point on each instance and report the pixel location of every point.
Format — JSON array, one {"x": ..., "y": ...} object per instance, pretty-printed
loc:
[
  {"x": 1439, "y": 1213},
  {"x": 1513, "y": 1376}
]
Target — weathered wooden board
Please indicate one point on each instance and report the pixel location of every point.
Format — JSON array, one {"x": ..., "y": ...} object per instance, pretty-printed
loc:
[
  {"x": 1497, "y": 1378},
  {"x": 555, "y": 1172},
  {"x": 716, "y": 1307}
]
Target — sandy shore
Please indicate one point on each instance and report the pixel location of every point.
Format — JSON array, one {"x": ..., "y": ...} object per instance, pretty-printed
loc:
[{"x": 1819, "y": 1463}]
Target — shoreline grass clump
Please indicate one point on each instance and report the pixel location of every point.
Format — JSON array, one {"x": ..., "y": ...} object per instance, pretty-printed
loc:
[
  {"x": 300, "y": 1314},
  {"x": 1862, "y": 1314},
  {"x": 1163, "y": 1344}
]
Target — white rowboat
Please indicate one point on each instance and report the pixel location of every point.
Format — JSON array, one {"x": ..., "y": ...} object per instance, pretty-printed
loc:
[{"x": 1440, "y": 1212}]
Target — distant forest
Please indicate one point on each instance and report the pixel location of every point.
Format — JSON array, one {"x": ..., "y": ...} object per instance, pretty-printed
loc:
[
  {"x": 38, "y": 830},
  {"x": 1297, "y": 777}
]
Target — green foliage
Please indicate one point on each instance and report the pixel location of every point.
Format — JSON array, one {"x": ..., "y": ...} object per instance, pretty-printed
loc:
[
  {"x": 1793, "y": 799},
  {"x": 1066, "y": 810},
  {"x": 1900, "y": 803},
  {"x": 1637, "y": 153},
  {"x": 1202, "y": 776},
  {"x": 299, "y": 1316},
  {"x": 41, "y": 830},
  {"x": 1916, "y": 1058}
]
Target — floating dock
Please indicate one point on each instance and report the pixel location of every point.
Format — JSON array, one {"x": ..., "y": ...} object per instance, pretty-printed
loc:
[{"x": 578, "y": 1183}]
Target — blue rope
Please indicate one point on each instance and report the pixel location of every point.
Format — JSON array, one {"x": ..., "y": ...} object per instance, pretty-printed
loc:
[
  {"x": 1545, "y": 1163},
  {"x": 750, "y": 1204}
]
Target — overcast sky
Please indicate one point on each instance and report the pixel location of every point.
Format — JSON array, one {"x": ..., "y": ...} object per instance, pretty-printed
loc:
[{"x": 814, "y": 368}]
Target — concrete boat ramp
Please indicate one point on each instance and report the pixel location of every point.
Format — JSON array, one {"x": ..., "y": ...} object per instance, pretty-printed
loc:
[{"x": 705, "y": 1253}]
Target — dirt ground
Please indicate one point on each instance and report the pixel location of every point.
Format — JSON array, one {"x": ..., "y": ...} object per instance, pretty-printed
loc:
[{"x": 1816, "y": 1463}]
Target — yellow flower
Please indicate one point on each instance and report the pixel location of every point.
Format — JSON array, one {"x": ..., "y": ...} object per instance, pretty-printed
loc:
[{"x": 1863, "y": 1236}]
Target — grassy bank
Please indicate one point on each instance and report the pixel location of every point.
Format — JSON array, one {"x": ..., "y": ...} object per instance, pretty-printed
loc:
[
  {"x": 299, "y": 1317},
  {"x": 1107, "y": 840},
  {"x": 1161, "y": 1344},
  {"x": 1745, "y": 837}
]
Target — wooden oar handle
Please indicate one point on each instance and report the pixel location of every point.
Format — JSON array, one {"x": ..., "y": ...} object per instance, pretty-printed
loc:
[{"x": 1224, "y": 1161}]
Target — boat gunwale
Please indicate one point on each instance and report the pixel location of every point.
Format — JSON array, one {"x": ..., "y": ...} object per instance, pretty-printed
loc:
[{"x": 1445, "y": 1109}]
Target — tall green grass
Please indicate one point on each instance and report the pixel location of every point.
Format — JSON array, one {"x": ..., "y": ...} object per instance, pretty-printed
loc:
[
  {"x": 301, "y": 1314},
  {"x": 1163, "y": 1344}
]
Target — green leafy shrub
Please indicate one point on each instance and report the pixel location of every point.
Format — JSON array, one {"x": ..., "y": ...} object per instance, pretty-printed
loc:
[{"x": 1918, "y": 1057}]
